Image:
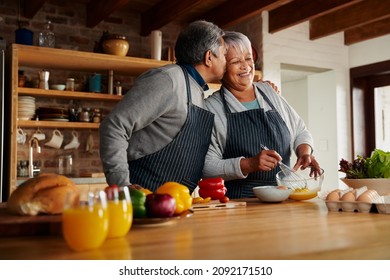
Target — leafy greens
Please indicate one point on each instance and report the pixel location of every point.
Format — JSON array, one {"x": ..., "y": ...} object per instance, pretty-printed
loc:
[{"x": 375, "y": 166}]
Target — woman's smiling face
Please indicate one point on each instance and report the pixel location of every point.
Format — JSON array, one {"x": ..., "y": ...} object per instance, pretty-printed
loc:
[{"x": 239, "y": 68}]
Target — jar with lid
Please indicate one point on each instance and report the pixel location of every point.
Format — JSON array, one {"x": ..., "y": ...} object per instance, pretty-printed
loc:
[
  {"x": 46, "y": 36},
  {"x": 65, "y": 165},
  {"x": 118, "y": 88},
  {"x": 21, "y": 78},
  {"x": 97, "y": 116},
  {"x": 70, "y": 84},
  {"x": 85, "y": 115}
]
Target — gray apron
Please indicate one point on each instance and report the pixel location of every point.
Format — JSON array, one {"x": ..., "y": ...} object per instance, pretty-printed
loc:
[
  {"x": 246, "y": 131},
  {"x": 182, "y": 160}
]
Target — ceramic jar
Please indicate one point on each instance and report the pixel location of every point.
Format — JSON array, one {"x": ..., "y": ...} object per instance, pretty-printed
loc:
[{"x": 116, "y": 44}]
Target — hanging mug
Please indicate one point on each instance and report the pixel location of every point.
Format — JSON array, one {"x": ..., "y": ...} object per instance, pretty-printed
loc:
[
  {"x": 56, "y": 139},
  {"x": 20, "y": 136},
  {"x": 39, "y": 135},
  {"x": 74, "y": 143}
]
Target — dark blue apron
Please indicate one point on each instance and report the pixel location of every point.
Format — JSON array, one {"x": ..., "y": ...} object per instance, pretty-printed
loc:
[
  {"x": 182, "y": 160},
  {"x": 246, "y": 131}
]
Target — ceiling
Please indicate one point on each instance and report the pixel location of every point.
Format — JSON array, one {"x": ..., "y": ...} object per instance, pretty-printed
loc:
[{"x": 360, "y": 20}]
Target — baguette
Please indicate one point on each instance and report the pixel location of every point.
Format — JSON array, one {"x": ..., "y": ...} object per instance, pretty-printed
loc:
[{"x": 43, "y": 194}]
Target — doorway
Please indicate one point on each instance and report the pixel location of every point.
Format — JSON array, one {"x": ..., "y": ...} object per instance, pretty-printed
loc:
[{"x": 369, "y": 100}]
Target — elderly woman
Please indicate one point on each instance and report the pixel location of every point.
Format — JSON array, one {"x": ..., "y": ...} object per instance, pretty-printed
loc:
[{"x": 249, "y": 115}]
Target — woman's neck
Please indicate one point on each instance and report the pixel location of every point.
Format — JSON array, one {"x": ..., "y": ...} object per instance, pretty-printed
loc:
[{"x": 245, "y": 95}]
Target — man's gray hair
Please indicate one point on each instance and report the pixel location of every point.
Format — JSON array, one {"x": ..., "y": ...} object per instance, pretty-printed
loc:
[{"x": 195, "y": 40}]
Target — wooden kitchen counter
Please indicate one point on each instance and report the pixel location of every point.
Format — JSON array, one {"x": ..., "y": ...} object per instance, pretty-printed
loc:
[{"x": 288, "y": 230}]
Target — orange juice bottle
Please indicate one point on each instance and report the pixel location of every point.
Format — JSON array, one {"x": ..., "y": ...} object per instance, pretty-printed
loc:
[
  {"x": 85, "y": 226},
  {"x": 120, "y": 211}
]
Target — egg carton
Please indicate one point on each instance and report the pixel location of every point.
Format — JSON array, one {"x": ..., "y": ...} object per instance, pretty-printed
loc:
[
  {"x": 349, "y": 206},
  {"x": 383, "y": 206},
  {"x": 352, "y": 200}
]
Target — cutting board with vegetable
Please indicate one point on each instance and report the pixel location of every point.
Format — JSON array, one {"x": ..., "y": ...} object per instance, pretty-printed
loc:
[
  {"x": 217, "y": 205},
  {"x": 15, "y": 225}
]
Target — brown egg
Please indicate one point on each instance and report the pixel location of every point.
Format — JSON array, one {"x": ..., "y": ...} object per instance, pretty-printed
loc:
[
  {"x": 333, "y": 195},
  {"x": 349, "y": 196},
  {"x": 368, "y": 196}
]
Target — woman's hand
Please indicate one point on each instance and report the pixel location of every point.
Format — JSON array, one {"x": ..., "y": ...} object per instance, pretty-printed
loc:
[
  {"x": 307, "y": 160},
  {"x": 266, "y": 160}
]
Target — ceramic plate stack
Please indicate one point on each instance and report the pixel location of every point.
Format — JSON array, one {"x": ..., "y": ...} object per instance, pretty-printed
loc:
[
  {"x": 26, "y": 107},
  {"x": 53, "y": 114}
]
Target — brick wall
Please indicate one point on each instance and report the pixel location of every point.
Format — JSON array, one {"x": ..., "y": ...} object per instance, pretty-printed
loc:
[
  {"x": 69, "y": 26},
  {"x": 68, "y": 19}
]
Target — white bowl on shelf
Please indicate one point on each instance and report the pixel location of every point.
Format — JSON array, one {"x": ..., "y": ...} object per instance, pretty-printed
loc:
[{"x": 57, "y": 87}]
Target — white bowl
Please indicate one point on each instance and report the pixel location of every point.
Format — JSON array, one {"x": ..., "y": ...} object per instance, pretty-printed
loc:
[
  {"x": 381, "y": 185},
  {"x": 271, "y": 193},
  {"x": 310, "y": 185},
  {"x": 58, "y": 87}
]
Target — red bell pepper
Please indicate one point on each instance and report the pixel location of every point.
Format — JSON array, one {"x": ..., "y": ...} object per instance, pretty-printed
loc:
[{"x": 212, "y": 187}]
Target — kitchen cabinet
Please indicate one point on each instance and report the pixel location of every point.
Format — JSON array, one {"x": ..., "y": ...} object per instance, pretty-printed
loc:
[{"x": 52, "y": 59}]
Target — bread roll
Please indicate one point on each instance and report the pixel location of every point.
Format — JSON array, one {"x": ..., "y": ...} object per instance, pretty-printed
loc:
[{"x": 43, "y": 194}]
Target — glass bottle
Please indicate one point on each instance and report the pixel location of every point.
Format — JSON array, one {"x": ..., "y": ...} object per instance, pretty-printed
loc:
[{"x": 47, "y": 37}]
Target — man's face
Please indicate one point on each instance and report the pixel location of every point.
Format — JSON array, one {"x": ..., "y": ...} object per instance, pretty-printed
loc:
[{"x": 219, "y": 64}]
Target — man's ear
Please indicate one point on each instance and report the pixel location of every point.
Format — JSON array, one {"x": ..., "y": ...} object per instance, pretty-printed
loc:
[{"x": 208, "y": 58}]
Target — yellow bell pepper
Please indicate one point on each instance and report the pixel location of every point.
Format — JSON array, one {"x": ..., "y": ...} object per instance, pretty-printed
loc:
[{"x": 180, "y": 193}]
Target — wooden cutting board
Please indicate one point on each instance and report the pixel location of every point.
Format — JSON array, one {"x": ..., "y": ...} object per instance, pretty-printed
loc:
[
  {"x": 15, "y": 225},
  {"x": 216, "y": 205}
]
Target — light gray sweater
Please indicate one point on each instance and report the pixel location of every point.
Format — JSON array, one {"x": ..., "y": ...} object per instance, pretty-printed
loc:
[
  {"x": 229, "y": 169},
  {"x": 147, "y": 119}
]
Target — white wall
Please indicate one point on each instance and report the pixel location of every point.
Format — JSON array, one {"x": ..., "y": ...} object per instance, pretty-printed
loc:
[
  {"x": 322, "y": 119},
  {"x": 296, "y": 94},
  {"x": 370, "y": 51},
  {"x": 292, "y": 46}
]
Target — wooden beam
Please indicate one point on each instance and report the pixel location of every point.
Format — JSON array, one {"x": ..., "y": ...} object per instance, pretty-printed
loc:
[
  {"x": 367, "y": 31},
  {"x": 98, "y": 10},
  {"x": 31, "y": 7},
  {"x": 165, "y": 12},
  {"x": 359, "y": 14},
  {"x": 301, "y": 10},
  {"x": 232, "y": 12}
]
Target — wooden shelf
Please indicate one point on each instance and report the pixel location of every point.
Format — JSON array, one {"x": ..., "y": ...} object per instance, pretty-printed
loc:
[
  {"x": 83, "y": 61},
  {"x": 58, "y": 124},
  {"x": 37, "y": 92}
]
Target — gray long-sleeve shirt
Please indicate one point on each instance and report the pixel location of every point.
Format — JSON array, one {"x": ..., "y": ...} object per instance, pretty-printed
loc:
[
  {"x": 147, "y": 119},
  {"x": 229, "y": 169}
]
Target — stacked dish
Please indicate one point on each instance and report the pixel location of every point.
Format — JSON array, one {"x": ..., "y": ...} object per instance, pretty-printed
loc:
[
  {"x": 26, "y": 107},
  {"x": 53, "y": 114}
]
